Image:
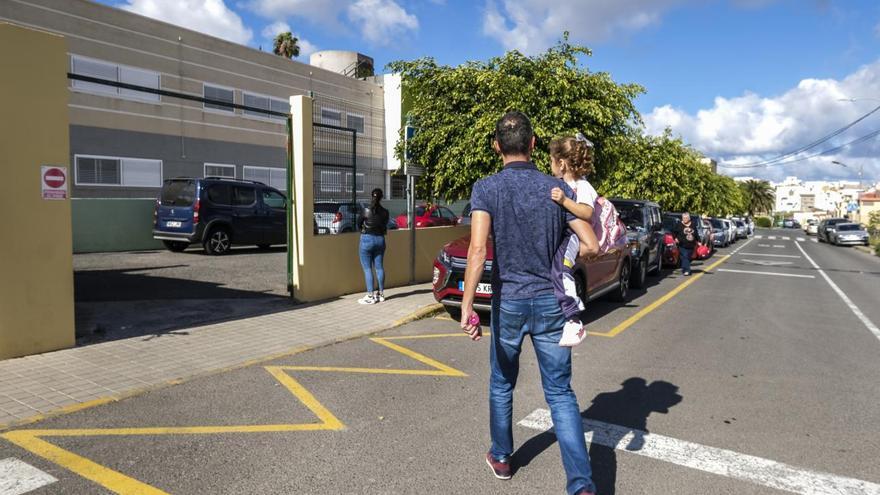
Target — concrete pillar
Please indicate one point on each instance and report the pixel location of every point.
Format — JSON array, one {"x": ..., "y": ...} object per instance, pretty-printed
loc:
[
  {"x": 303, "y": 189},
  {"x": 36, "y": 260}
]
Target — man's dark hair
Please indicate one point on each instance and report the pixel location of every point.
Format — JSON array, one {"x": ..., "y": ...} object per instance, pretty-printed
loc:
[{"x": 513, "y": 131}]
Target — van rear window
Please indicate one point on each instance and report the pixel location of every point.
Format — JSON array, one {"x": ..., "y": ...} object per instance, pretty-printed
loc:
[{"x": 178, "y": 193}]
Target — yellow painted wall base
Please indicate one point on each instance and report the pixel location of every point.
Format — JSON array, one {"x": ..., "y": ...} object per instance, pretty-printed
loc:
[{"x": 36, "y": 260}]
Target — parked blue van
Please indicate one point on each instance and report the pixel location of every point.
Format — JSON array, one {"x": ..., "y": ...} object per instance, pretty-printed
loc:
[{"x": 219, "y": 213}]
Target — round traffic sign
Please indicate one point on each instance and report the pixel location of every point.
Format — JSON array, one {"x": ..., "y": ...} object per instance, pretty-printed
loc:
[{"x": 54, "y": 178}]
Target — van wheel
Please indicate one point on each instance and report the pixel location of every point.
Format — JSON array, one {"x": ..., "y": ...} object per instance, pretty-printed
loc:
[
  {"x": 623, "y": 283},
  {"x": 639, "y": 276},
  {"x": 175, "y": 246},
  {"x": 218, "y": 241}
]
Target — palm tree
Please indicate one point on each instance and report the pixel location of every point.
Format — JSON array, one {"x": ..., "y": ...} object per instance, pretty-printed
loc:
[
  {"x": 286, "y": 45},
  {"x": 759, "y": 195}
]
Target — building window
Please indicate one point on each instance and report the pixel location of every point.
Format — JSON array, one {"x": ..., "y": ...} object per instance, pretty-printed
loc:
[
  {"x": 356, "y": 122},
  {"x": 359, "y": 186},
  {"x": 271, "y": 176},
  {"x": 219, "y": 93},
  {"x": 117, "y": 73},
  {"x": 220, "y": 170},
  {"x": 331, "y": 181},
  {"x": 265, "y": 103},
  {"x": 331, "y": 117},
  {"x": 115, "y": 171},
  {"x": 398, "y": 187}
]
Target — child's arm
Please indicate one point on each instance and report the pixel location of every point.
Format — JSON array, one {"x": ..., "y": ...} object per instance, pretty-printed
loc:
[{"x": 580, "y": 210}]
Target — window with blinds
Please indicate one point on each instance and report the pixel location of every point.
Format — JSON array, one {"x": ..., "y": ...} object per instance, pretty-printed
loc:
[
  {"x": 220, "y": 170},
  {"x": 117, "y": 171},
  {"x": 220, "y": 94},
  {"x": 110, "y": 71},
  {"x": 271, "y": 176}
]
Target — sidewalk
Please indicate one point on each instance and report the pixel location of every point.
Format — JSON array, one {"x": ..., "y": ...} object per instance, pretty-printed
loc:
[{"x": 35, "y": 386}]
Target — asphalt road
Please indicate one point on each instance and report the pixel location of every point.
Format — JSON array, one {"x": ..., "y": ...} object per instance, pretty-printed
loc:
[{"x": 757, "y": 377}]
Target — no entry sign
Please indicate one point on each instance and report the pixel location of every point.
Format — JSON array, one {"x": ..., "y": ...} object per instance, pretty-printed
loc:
[{"x": 54, "y": 182}]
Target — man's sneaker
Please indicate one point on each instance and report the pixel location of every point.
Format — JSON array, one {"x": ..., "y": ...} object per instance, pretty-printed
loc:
[
  {"x": 573, "y": 333},
  {"x": 379, "y": 297},
  {"x": 368, "y": 299},
  {"x": 501, "y": 469}
]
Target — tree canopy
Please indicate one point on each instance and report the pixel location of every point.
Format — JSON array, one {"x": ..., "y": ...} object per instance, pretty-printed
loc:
[{"x": 455, "y": 110}]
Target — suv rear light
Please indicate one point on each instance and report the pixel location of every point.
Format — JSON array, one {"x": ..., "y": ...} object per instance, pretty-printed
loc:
[
  {"x": 196, "y": 207},
  {"x": 338, "y": 217}
]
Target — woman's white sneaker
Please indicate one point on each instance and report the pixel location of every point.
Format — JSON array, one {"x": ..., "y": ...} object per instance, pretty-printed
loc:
[{"x": 368, "y": 299}]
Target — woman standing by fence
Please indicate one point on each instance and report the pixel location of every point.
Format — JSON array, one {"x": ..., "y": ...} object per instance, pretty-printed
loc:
[{"x": 372, "y": 247}]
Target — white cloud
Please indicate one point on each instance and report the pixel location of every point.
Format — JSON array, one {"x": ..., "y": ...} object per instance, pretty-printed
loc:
[
  {"x": 381, "y": 20},
  {"x": 211, "y": 17},
  {"x": 378, "y": 21},
  {"x": 751, "y": 128},
  {"x": 532, "y": 25},
  {"x": 306, "y": 47}
]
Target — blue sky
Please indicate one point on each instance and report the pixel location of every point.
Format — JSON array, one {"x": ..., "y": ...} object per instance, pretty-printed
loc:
[{"x": 727, "y": 75}]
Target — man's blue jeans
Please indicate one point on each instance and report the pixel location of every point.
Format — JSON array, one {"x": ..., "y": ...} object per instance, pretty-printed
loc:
[
  {"x": 685, "y": 258},
  {"x": 542, "y": 319},
  {"x": 372, "y": 253}
]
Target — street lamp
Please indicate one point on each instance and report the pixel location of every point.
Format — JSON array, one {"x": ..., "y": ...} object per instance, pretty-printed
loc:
[{"x": 861, "y": 169}]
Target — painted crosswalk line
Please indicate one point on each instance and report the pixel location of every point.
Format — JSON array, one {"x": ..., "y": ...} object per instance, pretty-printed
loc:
[
  {"x": 775, "y": 274},
  {"x": 18, "y": 477},
  {"x": 759, "y": 237},
  {"x": 771, "y": 237},
  {"x": 801, "y": 239},
  {"x": 768, "y": 262},
  {"x": 728, "y": 463},
  {"x": 771, "y": 255}
]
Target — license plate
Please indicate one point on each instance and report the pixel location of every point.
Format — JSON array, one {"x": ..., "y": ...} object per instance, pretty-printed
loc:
[
  {"x": 481, "y": 288},
  {"x": 173, "y": 224}
]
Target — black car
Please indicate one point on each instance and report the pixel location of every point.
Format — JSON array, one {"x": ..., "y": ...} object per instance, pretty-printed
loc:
[
  {"x": 644, "y": 231},
  {"x": 217, "y": 213},
  {"x": 826, "y": 228}
]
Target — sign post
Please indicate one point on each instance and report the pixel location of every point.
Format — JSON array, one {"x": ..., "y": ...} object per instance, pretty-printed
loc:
[
  {"x": 411, "y": 171},
  {"x": 53, "y": 182}
]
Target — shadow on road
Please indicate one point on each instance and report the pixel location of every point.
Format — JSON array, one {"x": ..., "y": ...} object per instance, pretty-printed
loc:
[{"x": 629, "y": 407}]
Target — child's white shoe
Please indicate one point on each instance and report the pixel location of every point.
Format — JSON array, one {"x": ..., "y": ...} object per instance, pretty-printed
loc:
[{"x": 573, "y": 333}]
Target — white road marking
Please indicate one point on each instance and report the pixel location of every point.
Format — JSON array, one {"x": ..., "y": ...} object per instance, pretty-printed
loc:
[
  {"x": 801, "y": 239},
  {"x": 759, "y": 237},
  {"x": 768, "y": 262},
  {"x": 778, "y": 246},
  {"x": 763, "y": 245},
  {"x": 723, "y": 462},
  {"x": 771, "y": 237},
  {"x": 773, "y": 255},
  {"x": 766, "y": 273},
  {"x": 739, "y": 248},
  {"x": 815, "y": 240},
  {"x": 786, "y": 238},
  {"x": 17, "y": 477},
  {"x": 855, "y": 309}
]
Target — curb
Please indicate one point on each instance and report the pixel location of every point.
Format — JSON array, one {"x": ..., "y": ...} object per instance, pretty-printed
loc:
[
  {"x": 864, "y": 249},
  {"x": 419, "y": 314}
]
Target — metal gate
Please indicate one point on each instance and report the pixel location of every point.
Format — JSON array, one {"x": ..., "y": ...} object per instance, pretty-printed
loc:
[{"x": 337, "y": 182}]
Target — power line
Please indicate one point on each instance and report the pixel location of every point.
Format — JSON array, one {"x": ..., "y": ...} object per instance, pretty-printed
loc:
[
  {"x": 808, "y": 146},
  {"x": 858, "y": 140}
]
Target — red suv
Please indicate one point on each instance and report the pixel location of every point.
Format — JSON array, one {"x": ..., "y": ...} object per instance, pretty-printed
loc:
[
  {"x": 429, "y": 216},
  {"x": 605, "y": 274}
]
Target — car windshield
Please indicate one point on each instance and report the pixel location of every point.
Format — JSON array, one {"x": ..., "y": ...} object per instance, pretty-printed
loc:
[
  {"x": 848, "y": 226},
  {"x": 326, "y": 207},
  {"x": 178, "y": 193},
  {"x": 631, "y": 215}
]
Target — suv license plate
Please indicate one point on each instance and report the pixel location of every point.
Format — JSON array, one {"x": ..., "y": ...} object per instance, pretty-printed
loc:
[
  {"x": 173, "y": 224},
  {"x": 481, "y": 288}
]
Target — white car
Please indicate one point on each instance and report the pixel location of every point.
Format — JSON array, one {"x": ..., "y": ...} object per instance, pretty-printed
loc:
[{"x": 812, "y": 229}]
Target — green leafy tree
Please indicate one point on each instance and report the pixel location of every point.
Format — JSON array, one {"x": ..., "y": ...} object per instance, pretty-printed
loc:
[
  {"x": 455, "y": 109},
  {"x": 758, "y": 196},
  {"x": 286, "y": 45}
]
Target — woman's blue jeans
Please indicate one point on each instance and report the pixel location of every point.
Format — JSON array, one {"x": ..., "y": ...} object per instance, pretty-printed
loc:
[
  {"x": 685, "y": 258},
  {"x": 542, "y": 320},
  {"x": 372, "y": 252}
]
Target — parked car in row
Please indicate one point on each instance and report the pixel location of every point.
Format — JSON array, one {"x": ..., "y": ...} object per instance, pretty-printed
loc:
[
  {"x": 812, "y": 227},
  {"x": 826, "y": 228},
  {"x": 644, "y": 234},
  {"x": 721, "y": 231},
  {"x": 849, "y": 234},
  {"x": 607, "y": 274},
  {"x": 429, "y": 216},
  {"x": 219, "y": 213},
  {"x": 336, "y": 218}
]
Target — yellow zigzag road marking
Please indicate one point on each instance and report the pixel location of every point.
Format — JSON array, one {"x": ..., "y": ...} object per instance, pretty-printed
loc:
[{"x": 32, "y": 440}]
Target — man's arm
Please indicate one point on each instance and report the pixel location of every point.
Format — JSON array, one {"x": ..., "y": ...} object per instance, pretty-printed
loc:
[
  {"x": 589, "y": 245},
  {"x": 481, "y": 223}
]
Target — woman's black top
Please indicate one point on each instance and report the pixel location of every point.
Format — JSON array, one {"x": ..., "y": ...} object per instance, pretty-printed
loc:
[{"x": 375, "y": 220}]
